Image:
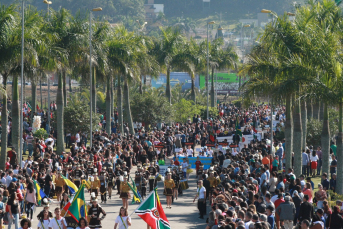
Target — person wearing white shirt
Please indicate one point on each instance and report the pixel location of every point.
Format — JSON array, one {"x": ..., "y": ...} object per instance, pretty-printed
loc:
[
  {"x": 50, "y": 139},
  {"x": 189, "y": 152},
  {"x": 201, "y": 195},
  {"x": 209, "y": 152},
  {"x": 44, "y": 223},
  {"x": 123, "y": 221},
  {"x": 248, "y": 217},
  {"x": 184, "y": 167},
  {"x": 58, "y": 222},
  {"x": 83, "y": 224},
  {"x": 226, "y": 162}
]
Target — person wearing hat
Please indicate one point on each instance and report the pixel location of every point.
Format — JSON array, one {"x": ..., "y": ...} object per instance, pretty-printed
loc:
[
  {"x": 77, "y": 174},
  {"x": 152, "y": 174},
  {"x": 103, "y": 186},
  {"x": 176, "y": 178},
  {"x": 169, "y": 185},
  {"x": 110, "y": 177},
  {"x": 90, "y": 169},
  {"x": 117, "y": 173},
  {"x": 125, "y": 191},
  {"x": 138, "y": 178},
  {"x": 94, "y": 213},
  {"x": 95, "y": 183}
]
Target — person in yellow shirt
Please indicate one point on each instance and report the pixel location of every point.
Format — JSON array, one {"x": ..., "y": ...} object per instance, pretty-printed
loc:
[
  {"x": 125, "y": 191},
  {"x": 169, "y": 185},
  {"x": 95, "y": 183},
  {"x": 59, "y": 184}
]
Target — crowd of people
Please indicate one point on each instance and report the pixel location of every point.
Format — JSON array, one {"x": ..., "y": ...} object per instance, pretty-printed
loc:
[{"x": 245, "y": 185}]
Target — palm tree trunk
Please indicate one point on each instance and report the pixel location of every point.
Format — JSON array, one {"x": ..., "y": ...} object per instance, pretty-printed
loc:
[
  {"x": 64, "y": 89},
  {"x": 108, "y": 106},
  {"x": 112, "y": 98},
  {"x": 321, "y": 110},
  {"x": 325, "y": 140},
  {"x": 4, "y": 123},
  {"x": 60, "y": 114},
  {"x": 309, "y": 108},
  {"x": 34, "y": 98},
  {"x": 316, "y": 108},
  {"x": 288, "y": 133},
  {"x": 15, "y": 115},
  {"x": 94, "y": 90},
  {"x": 298, "y": 143},
  {"x": 70, "y": 88},
  {"x": 120, "y": 106},
  {"x": 141, "y": 86},
  {"x": 193, "y": 96},
  {"x": 339, "y": 183},
  {"x": 168, "y": 91},
  {"x": 128, "y": 107},
  {"x": 212, "y": 89},
  {"x": 304, "y": 123}
]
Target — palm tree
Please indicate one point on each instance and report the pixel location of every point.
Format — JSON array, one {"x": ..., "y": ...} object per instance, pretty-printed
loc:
[
  {"x": 165, "y": 51},
  {"x": 220, "y": 59}
]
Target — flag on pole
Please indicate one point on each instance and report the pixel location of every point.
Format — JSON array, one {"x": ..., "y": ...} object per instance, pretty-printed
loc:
[
  {"x": 152, "y": 213},
  {"x": 238, "y": 127},
  {"x": 39, "y": 191},
  {"x": 72, "y": 187},
  {"x": 136, "y": 197},
  {"x": 76, "y": 207}
]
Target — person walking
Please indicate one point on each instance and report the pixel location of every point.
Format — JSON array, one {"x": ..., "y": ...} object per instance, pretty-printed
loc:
[
  {"x": 306, "y": 210},
  {"x": 286, "y": 212},
  {"x": 201, "y": 195},
  {"x": 123, "y": 220},
  {"x": 30, "y": 200}
]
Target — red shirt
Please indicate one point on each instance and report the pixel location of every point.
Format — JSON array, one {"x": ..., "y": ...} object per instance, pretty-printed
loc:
[
  {"x": 197, "y": 164},
  {"x": 278, "y": 202},
  {"x": 7, "y": 165},
  {"x": 176, "y": 163}
]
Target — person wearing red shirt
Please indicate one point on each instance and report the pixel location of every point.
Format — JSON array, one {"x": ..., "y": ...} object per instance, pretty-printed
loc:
[
  {"x": 176, "y": 162},
  {"x": 197, "y": 164},
  {"x": 277, "y": 203}
]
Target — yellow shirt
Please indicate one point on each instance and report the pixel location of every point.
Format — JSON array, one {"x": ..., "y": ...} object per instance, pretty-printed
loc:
[
  {"x": 169, "y": 183},
  {"x": 124, "y": 187}
]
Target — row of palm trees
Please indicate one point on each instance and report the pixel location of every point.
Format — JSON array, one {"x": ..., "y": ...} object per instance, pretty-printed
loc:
[
  {"x": 299, "y": 63},
  {"x": 58, "y": 43}
]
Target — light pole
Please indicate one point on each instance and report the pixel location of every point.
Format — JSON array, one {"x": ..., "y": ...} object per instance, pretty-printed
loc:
[
  {"x": 21, "y": 88},
  {"x": 48, "y": 3},
  {"x": 208, "y": 66},
  {"x": 90, "y": 70},
  {"x": 242, "y": 53}
]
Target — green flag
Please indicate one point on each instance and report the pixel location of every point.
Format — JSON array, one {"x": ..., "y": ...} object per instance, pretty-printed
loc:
[{"x": 78, "y": 208}]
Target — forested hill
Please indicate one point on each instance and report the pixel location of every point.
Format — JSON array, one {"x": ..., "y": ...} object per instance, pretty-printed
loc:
[{"x": 128, "y": 11}]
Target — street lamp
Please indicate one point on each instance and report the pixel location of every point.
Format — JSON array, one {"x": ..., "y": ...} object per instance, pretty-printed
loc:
[
  {"x": 208, "y": 66},
  {"x": 48, "y": 3},
  {"x": 21, "y": 88},
  {"x": 90, "y": 70}
]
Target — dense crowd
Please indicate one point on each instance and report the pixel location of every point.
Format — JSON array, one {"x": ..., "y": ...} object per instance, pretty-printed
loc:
[{"x": 245, "y": 185}]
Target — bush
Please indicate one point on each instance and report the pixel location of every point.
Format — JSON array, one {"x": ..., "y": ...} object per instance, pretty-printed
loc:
[
  {"x": 237, "y": 103},
  {"x": 41, "y": 133}
]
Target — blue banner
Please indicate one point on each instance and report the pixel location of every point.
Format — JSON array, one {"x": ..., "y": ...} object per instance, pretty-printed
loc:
[
  {"x": 206, "y": 161},
  {"x": 182, "y": 78}
]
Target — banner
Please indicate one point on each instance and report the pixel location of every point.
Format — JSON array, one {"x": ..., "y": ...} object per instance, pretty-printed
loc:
[{"x": 206, "y": 161}]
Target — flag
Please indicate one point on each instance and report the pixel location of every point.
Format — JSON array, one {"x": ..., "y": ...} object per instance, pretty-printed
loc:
[
  {"x": 238, "y": 128},
  {"x": 39, "y": 191},
  {"x": 76, "y": 207},
  {"x": 212, "y": 138},
  {"x": 72, "y": 187},
  {"x": 136, "y": 197},
  {"x": 27, "y": 103},
  {"x": 152, "y": 213}
]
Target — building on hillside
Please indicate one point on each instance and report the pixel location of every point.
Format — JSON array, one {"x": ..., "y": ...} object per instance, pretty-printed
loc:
[{"x": 152, "y": 10}]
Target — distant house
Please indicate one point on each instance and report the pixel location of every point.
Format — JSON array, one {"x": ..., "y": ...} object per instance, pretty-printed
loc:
[{"x": 152, "y": 10}]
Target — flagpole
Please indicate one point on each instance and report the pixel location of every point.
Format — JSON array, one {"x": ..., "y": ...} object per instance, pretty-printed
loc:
[{"x": 144, "y": 200}]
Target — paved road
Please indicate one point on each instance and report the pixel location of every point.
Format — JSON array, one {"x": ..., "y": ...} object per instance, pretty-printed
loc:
[{"x": 183, "y": 214}]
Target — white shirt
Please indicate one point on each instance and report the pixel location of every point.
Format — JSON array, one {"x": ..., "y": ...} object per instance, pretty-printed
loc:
[
  {"x": 226, "y": 163},
  {"x": 247, "y": 224},
  {"x": 274, "y": 198},
  {"x": 189, "y": 152},
  {"x": 50, "y": 140},
  {"x": 312, "y": 158},
  {"x": 53, "y": 224},
  {"x": 209, "y": 153},
  {"x": 45, "y": 224},
  {"x": 119, "y": 221},
  {"x": 84, "y": 228},
  {"x": 184, "y": 166},
  {"x": 201, "y": 192},
  {"x": 77, "y": 137}
]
